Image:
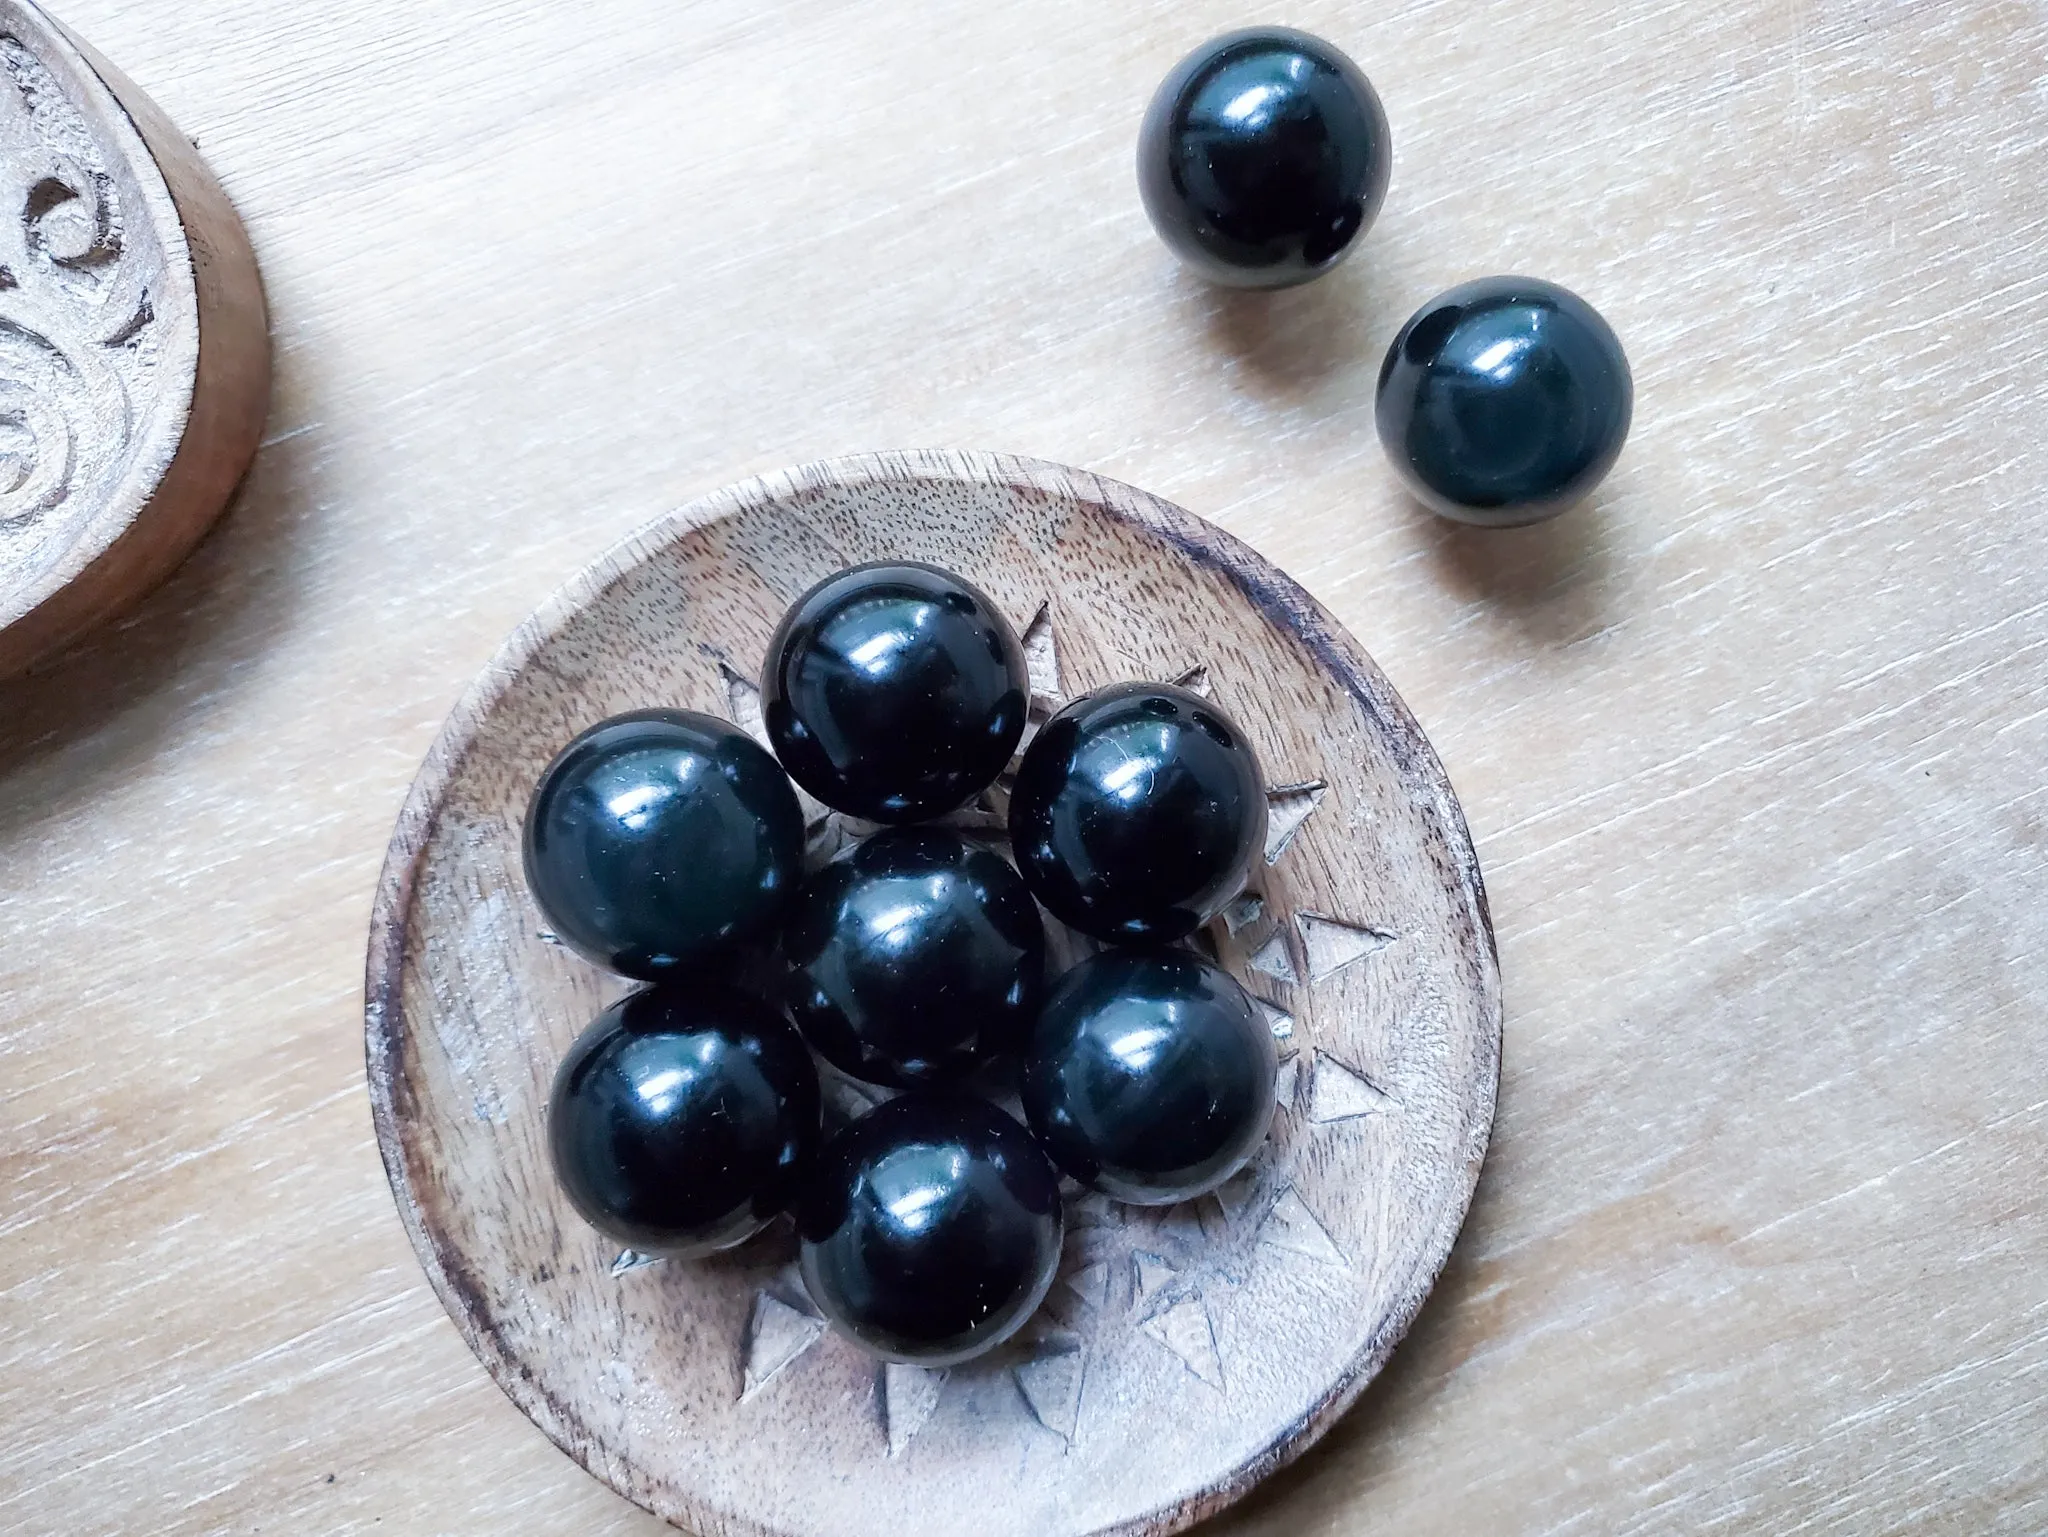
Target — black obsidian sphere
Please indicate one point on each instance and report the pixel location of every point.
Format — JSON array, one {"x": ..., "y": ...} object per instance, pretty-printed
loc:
[
  {"x": 1137, "y": 812},
  {"x": 684, "y": 1118},
  {"x": 1504, "y": 401},
  {"x": 894, "y": 691},
  {"x": 1150, "y": 1075},
  {"x": 658, "y": 837},
  {"x": 913, "y": 957},
  {"x": 931, "y": 1228},
  {"x": 1263, "y": 157}
]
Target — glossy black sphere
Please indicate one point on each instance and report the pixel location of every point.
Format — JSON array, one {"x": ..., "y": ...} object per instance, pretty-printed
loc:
[
  {"x": 913, "y": 957},
  {"x": 1137, "y": 812},
  {"x": 684, "y": 1118},
  {"x": 1150, "y": 1075},
  {"x": 658, "y": 837},
  {"x": 894, "y": 691},
  {"x": 931, "y": 1228},
  {"x": 1263, "y": 157},
  {"x": 1504, "y": 401}
]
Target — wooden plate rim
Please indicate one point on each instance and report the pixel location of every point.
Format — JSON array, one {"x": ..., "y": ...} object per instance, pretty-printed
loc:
[{"x": 1276, "y": 595}]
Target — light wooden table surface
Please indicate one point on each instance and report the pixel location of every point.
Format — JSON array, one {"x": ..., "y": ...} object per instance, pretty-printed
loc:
[{"x": 1753, "y": 747}]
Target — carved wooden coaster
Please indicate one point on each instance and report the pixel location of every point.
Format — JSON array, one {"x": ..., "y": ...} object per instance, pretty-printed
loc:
[
  {"x": 134, "y": 352},
  {"x": 1183, "y": 1353}
]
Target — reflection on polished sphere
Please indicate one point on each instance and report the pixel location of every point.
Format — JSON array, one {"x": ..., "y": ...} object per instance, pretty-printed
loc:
[
  {"x": 1504, "y": 401},
  {"x": 1264, "y": 157},
  {"x": 684, "y": 1118},
  {"x": 1150, "y": 1075},
  {"x": 1137, "y": 812},
  {"x": 894, "y": 691},
  {"x": 914, "y": 957},
  {"x": 931, "y": 1228},
  {"x": 660, "y": 837}
]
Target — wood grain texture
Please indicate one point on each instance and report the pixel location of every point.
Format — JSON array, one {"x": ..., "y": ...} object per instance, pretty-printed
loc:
[
  {"x": 1185, "y": 1352},
  {"x": 1751, "y": 746},
  {"x": 134, "y": 350}
]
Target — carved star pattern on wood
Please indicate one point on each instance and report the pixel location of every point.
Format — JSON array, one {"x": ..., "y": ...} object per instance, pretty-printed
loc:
[{"x": 1173, "y": 1262}]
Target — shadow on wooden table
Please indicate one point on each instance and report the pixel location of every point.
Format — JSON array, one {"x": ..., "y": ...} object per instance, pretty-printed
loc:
[
  {"x": 123, "y": 687},
  {"x": 1293, "y": 342},
  {"x": 1554, "y": 579}
]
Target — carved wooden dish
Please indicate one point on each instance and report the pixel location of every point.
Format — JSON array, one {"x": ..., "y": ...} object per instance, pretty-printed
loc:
[
  {"x": 134, "y": 352},
  {"x": 1183, "y": 1353}
]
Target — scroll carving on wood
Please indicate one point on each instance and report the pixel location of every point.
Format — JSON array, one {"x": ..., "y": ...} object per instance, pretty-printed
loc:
[
  {"x": 134, "y": 359},
  {"x": 76, "y": 339}
]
